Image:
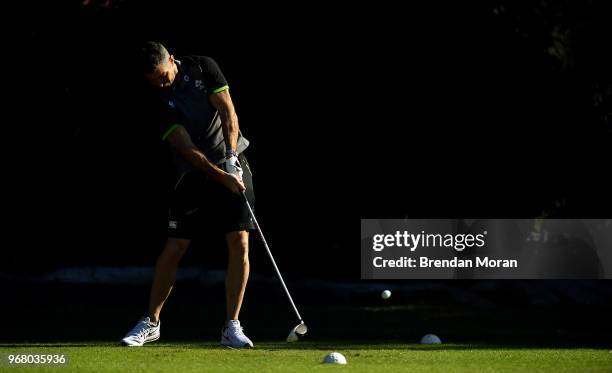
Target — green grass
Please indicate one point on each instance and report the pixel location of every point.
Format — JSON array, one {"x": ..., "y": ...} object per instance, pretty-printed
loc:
[{"x": 307, "y": 357}]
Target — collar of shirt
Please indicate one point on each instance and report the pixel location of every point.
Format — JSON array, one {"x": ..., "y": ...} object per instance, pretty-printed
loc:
[{"x": 181, "y": 79}]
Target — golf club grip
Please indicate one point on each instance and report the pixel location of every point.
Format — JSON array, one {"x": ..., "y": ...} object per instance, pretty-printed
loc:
[{"x": 263, "y": 239}]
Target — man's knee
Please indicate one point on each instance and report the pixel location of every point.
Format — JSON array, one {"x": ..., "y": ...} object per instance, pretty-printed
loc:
[
  {"x": 176, "y": 248},
  {"x": 238, "y": 243}
]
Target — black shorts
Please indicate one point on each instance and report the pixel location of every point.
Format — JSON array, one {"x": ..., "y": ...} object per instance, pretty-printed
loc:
[{"x": 200, "y": 205}]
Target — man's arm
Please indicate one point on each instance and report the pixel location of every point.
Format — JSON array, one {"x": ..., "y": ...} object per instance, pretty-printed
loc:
[
  {"x": 180, "y": 140},
  {"x": 222, "y": 101}
]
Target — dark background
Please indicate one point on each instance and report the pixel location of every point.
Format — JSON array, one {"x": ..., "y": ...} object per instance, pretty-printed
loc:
[{"x": 430, "y": 109}]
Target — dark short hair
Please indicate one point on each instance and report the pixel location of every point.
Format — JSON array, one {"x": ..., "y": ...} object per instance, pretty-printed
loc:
[{"x": 151, "y": 54}]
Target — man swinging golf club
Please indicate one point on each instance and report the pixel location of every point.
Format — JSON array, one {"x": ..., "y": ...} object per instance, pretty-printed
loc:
[{"x": 199, "y": 123}]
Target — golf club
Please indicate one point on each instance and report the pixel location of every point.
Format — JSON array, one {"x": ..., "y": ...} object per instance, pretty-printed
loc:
[{"x": 299, "y": 330}]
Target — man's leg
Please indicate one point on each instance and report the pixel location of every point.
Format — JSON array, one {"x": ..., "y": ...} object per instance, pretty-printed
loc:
[
  {"x": 232, "y": 211},
  {"x": 147, "y": 329},
  {"x": 237, "y": 271},
  {"x": 165, "y": 274},
  {"x": 235, "y": 283}
]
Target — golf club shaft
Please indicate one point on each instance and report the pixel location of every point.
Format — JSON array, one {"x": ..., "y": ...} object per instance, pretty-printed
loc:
[{"x": 280, "y": 277}]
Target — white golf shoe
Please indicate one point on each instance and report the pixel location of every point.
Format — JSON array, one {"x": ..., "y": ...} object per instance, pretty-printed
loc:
[
  {"x": 233, "y": 336},
  {"x": 145, "y": 331}
]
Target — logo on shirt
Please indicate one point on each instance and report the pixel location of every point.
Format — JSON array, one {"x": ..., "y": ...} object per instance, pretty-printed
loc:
[
  {"x": 199, "y": 84},
  {"x": 171, "y": 104}
]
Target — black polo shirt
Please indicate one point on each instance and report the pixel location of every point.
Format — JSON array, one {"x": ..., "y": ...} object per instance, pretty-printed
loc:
[{"x": 187, "y": 103}]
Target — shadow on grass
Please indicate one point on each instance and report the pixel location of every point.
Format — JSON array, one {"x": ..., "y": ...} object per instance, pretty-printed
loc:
[
  {"x": 324, "y": 346},
  {"x": 46, "y": 345},
  {"x": 385, "y": 345}
]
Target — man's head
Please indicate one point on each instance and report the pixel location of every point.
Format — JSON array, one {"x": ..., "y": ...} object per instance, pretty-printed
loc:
[{"x": 157, "y": 64}]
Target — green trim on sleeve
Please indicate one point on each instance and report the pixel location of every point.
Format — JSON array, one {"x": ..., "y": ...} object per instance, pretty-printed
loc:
[
  {"x": 169, "y": 131},
  {"x": 221, "y": 89}
]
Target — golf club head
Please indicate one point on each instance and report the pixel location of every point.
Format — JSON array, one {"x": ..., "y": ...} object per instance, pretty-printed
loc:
[{"x": 297, "y": 332}]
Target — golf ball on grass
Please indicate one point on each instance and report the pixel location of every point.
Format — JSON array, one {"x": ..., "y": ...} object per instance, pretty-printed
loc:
[
  {"x": 334, "y": 358},
  {"x": 386, "y": 294},
  {"x": 430, "y": 339}
]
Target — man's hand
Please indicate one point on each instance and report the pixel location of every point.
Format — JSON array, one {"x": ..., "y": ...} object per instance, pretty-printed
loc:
[
  {"x": 181, "y": 142},
  {"x": 232, "y": 166},
  {"x": 232, "y": 182}
]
